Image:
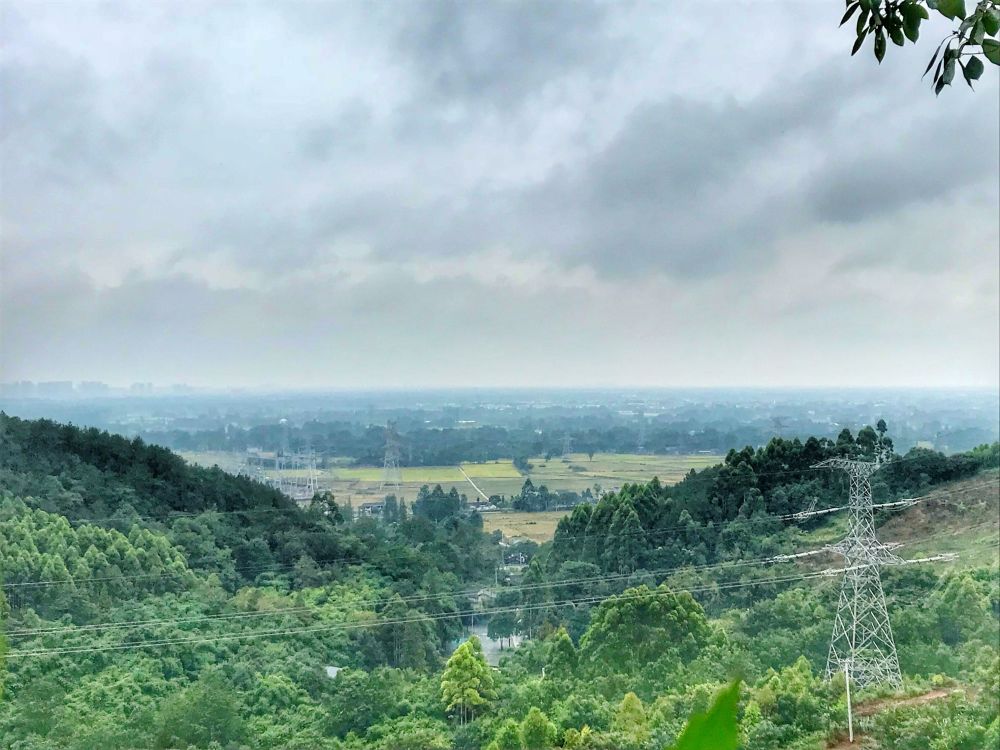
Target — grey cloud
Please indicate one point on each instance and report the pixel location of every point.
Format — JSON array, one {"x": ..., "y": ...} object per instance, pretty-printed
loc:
[
  {"x": 558, "y": 135},
  {"x": 503, "y": 52},
  {"x": 341, "y": 137},
  {"x": 925, "y": 158},
  {"x": 51, "y": 115},
  {"x": 380, "y": 332},
  {"x": 678, "y": 191}
]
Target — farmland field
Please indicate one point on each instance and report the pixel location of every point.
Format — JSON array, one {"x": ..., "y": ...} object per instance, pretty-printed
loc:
[
  {"x": 576, "y": 471},
  {"x": 539, "y": 527}
]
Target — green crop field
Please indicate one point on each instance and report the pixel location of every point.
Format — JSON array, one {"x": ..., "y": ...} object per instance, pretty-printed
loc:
[{"x": 492, "y": 470}]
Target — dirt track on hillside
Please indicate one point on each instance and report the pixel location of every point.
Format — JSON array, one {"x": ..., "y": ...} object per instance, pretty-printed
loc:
[{"x": 873, "y": 707}]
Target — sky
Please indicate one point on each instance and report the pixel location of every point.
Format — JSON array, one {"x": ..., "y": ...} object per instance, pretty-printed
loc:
[{"x": 490, "y": 194}]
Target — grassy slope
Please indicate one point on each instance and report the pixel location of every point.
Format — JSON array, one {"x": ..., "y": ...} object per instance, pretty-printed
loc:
[{"x": 961, "y": 517}]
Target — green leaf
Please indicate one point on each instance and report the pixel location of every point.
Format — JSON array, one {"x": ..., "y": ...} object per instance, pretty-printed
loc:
[
  {"x": 938, "y": 86},
  {"x": 862, "y": 22},
  {"x": 932, "y": 4},
  {"x": 850, "y": 12},
  {"x": 978, "y": 32},
  {"x": 912, "y": 16},
  {"x": 879, "y": 45},
  {"x": 896, "y": 34},
  {"x": 973, "y": 69},
  {"x": 716, "y": 728},
  {"x": 858, "y": 42},
  {"x": 991, "y": 48},
  {"x": 951, "y": 9},
  {"x": 949, "y": 71},
  {"x": 933, "y": 59},
  {"x": 991, "y": 22}
]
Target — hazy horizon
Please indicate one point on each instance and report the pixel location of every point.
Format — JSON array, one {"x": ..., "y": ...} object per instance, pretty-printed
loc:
[{"x": 125, "y": 389}]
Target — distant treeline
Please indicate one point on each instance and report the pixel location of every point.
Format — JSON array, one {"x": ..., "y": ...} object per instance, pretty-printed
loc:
[{"x": 438, "y": 447}]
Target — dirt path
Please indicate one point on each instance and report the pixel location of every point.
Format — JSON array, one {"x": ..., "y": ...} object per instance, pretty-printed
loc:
[
  {"x": 874, "y": 707},
  {"x": 476, "y": 488}
]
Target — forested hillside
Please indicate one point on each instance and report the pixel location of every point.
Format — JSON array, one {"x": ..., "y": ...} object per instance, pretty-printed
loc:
[{"x": 150, "y": 603}]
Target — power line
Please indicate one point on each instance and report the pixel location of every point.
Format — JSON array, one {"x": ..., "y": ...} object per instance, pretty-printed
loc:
[
  {"x": 935, "y": 496},
  {"x": 420, "y": 597},
  {"x": 604, "y": 578},
  {"x": 421, "y": 618}
]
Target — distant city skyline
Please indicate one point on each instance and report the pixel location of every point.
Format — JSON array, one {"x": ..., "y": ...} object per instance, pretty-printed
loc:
[{"x": 17, "y": 389}]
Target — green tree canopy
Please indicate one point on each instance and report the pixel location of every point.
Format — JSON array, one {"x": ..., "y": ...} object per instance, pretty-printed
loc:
[
  {"x": 642, "y": 625},
  {"x": 537, "y": 732},
  {"x": 467, "y": 683},
  {"x": 205, "y": 712}
]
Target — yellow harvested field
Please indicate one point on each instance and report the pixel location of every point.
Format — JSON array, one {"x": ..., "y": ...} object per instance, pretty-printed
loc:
[
  {"x": 620, "y": 467},
  {"x": 539, "y": 527}
]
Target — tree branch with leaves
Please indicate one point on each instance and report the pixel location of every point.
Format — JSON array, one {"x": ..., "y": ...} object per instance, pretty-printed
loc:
[{"x": 975, "y": 37}]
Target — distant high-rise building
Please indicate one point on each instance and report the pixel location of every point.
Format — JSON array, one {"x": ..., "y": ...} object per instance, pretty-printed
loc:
[
  {"x": 92, "y": 388},
  {"x": 54, "y": 389},
  {"x": 18, "y": 389},
  {"x": 141, "y": 388}
]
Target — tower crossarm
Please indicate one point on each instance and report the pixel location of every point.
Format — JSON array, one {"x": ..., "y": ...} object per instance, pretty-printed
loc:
[
  {"x": 854, "y": 468},
  {"x": 856, "y": 551},
  {"x": 944, "y": 557}
]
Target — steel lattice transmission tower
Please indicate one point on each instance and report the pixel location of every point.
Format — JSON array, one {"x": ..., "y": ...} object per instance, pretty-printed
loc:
[
  {"x": 862, "y": 646},
  {"x": 390, "y": 468}
]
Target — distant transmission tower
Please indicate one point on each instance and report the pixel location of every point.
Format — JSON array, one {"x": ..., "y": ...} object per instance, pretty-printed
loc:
[
  {"x": 862, "y": 647},
  {"x": 281, "y": 459},
  {"x": 390, "y": 468},
  {"x": 312, "y": 474}
]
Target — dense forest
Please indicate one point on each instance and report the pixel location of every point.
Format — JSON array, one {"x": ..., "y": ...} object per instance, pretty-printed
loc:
[{"x": 151, "y": 603}]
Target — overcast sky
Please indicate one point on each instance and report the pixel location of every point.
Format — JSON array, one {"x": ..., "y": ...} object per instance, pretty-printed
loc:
[{"x": 486, "y": 193}]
